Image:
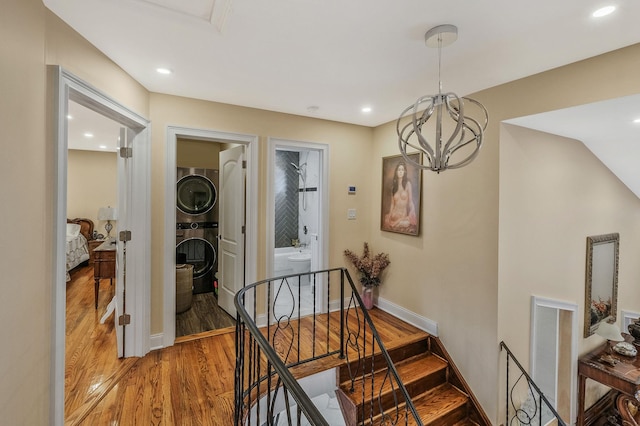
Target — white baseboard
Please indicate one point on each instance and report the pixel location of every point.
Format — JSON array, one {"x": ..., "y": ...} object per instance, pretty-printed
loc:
[
  {"x": 156, "y": 341},
  {"x": 406, "y": 315},
  {"x": 334, "y": 305},
  {"x": 430, "y": 326}
]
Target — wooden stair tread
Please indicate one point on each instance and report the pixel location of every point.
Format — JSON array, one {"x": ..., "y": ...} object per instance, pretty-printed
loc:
[
  {"x": 444, "y": 405},
  {"x": 410, "y": 371},
  {"x": 399, "y": 349},
  {"x": 436, "y": 404}
]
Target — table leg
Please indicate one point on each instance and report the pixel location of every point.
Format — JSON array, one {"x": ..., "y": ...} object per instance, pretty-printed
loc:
[
  {"x": 581, "y": 389},
  {"x": 96, "y": 287}
]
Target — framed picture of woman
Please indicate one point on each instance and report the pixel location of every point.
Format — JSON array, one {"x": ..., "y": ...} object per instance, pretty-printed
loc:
[{"x": 401, "y": 189}]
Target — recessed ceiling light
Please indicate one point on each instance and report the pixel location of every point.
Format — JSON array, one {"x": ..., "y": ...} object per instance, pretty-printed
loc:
[
  {"x": 366, "y": 109},
  {"x": 637, "y": 120},
  {"x": 102, "y": 146},
  {"x": 604, "y": 11},
  {"x": 88, "y": 135},
  {"x": 165, "y": 71},
  {"x": 69, "y": 117}
]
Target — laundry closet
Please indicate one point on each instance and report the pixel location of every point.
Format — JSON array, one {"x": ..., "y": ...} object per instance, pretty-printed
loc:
[{"x": 197, "y": 211}]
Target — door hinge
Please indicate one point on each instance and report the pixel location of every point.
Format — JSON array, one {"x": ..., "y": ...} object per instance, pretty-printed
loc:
[
  {"x": 124, "y": 319},
  {"x": 126, "y": 152},
  {"x": 244, "y": 164},
  {"x": 243, "y": 229},
  {"x": 125, "y": 235}
]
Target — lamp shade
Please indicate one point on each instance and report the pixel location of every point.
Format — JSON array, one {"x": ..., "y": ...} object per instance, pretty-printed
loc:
[
  {"x": 609, "y": 331},
  {"x": 107, "y": 213}
]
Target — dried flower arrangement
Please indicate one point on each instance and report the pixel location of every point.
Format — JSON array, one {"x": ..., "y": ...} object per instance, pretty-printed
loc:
[{"x": 369, "y": 267}]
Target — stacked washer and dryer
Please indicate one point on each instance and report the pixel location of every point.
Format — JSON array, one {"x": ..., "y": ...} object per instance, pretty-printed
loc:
[{"x": 197, "y": 224}]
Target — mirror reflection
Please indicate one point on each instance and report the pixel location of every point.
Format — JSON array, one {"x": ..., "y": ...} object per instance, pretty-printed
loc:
[{"x": 601, "y": 281}]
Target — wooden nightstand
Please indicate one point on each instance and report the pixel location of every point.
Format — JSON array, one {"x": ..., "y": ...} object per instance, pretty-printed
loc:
[
  {"x": 92, "y": 245},
  {"x": 104, "y": 266}
]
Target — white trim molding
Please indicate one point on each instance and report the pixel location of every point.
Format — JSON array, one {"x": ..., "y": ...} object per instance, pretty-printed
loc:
[
  {"x": 63, "y": 87},
  {"x": 251, "y": 207},
  {"x": 423, "y": 323},
  {"x": 559, "y": 305},
  {"x": 627, "y": 317}
]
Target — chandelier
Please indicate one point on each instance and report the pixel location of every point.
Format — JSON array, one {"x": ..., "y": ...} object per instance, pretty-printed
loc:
[{"x": 459, "y": 142}]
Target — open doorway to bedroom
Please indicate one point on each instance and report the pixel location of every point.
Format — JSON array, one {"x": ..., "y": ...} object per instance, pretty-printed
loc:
[
  {"x": 92, "y": 206},
  {"x": 130, "y": 254}
]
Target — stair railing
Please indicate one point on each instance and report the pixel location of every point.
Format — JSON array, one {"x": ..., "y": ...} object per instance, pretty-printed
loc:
[
  {"x": 283, "y": 334},
  {"x": 366, "y": 357},
  {"x": 525, "y": 402}
]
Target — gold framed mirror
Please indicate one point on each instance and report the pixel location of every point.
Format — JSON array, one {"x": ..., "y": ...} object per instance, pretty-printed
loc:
[{"x": 601, "y": 289}]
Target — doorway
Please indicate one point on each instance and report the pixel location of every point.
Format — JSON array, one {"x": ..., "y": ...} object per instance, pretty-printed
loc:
[
  {"x": 62, "y": 88},
  {"x": 297, "y": 220},
  {"x": 197, "y": 251},
  {"x": 220, "y": 142},
  {"x": 554, "y": 346}
]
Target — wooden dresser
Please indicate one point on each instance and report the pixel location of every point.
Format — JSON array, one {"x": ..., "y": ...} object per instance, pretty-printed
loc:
[
  {"x": 104, "y": 266},
  {"x": 623, "y": 378}
]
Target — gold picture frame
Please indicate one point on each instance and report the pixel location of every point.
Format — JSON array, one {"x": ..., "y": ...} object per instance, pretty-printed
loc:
[
  {"x": 401, "y": 197},
  {"x": 601, "y": 283}
]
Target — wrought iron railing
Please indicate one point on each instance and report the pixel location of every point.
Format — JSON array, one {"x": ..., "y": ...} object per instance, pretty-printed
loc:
[
  {"x": 287, "y": 322},
  {"x": 526, "y": 404}
]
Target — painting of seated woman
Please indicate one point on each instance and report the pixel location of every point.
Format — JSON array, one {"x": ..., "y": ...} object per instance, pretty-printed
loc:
[{"x": 401, "y": 188}]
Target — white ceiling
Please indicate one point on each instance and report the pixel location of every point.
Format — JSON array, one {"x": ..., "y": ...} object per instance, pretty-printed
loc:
[
  {"x": 338, "y": 56},
  {"x": 82, "y": 121},
  {"x": 607, "y": 128}
]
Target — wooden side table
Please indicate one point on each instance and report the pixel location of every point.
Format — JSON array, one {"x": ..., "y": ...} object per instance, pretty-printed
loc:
[
  {"x": 104, "y": 257},
  {"x": 92, "y": 246},
  {"x": 623, "y": 377}
]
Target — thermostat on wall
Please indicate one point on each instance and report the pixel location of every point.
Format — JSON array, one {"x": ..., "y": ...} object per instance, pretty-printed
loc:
[{"x": 351, "y": 189}]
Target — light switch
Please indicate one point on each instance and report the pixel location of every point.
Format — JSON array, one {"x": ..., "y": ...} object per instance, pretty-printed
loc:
[{"x": 351, "y": 214}]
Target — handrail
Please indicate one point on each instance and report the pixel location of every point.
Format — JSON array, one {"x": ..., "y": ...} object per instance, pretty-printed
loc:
[
  {"x": 264, "y": 359},
  {"x": 301, "y": 397},
  {"x": 530, "y": 383},
  {"x": 390, "y": 365}
]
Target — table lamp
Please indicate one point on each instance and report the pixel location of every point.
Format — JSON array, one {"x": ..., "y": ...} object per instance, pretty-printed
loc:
[
  {"x": 610, "y": 332},
  {"x": 107, "y": 213}
]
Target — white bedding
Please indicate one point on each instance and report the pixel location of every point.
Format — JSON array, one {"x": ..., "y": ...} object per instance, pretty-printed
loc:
[{"x": 77, "y": 251}]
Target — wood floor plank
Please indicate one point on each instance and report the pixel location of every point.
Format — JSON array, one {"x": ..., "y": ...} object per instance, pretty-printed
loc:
[{"x": 190, "y": 383}]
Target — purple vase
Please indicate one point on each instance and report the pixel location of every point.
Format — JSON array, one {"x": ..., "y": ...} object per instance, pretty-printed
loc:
[{"x": 367, "y": 297}]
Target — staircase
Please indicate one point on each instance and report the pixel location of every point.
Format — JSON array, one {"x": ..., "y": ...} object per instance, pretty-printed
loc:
[{"x": 437, "y": 389}]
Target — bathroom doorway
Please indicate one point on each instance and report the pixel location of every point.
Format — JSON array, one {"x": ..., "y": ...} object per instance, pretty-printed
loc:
[{"x": 298, "y": 223}]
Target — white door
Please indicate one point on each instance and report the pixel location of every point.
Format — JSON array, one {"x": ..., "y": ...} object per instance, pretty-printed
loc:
[
  {"x": 231, "y": 222},
  {"x": 121, "y": 317}
]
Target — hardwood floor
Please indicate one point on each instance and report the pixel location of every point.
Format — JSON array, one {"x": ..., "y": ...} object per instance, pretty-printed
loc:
[
  {"x": 204, "y": 315},
  {"x": 92, "y": 366},
  {"x": 190, "y": 383}
]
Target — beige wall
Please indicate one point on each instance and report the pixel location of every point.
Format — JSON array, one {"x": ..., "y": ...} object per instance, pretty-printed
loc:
[
  {"x": 25, "y": 212},
  {"x": 449, "y": 273},
  {"x": 554, "y": 193},
  {"x": 349, "y": 159},
  {"x": 91, "y": 183},
  {"x": 199, "y": 154},
  {"x": 65, "y": 47}
]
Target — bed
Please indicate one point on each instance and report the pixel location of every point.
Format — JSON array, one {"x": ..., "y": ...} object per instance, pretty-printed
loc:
[{"x": 79, "y": 232}]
